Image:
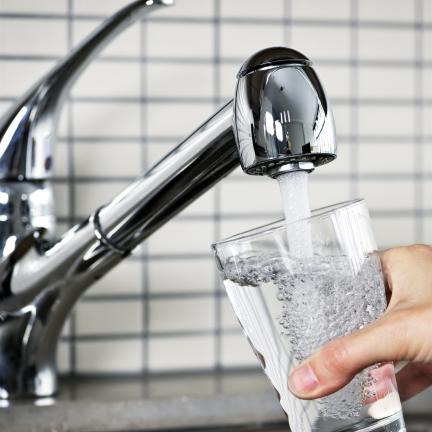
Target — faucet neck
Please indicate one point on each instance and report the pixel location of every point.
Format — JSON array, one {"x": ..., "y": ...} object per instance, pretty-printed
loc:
[{"x": 39, "y": 286}]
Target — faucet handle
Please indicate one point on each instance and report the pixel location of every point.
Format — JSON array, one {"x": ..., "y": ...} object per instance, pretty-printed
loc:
[{"x": 27, "y": 131}]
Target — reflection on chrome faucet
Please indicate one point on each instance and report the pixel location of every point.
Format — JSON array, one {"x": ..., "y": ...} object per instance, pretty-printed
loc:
[{"x": 280, "y": 121}]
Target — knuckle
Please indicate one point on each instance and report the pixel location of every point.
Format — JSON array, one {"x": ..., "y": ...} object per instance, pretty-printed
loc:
[{"x": 335, "y": 358}]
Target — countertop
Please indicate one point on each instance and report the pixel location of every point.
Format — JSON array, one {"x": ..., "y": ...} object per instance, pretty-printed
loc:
[{"x": 200, "y": 401}]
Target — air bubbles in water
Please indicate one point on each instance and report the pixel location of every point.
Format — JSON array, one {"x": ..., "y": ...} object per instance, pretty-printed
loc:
[{"x": 318, "y": 299}]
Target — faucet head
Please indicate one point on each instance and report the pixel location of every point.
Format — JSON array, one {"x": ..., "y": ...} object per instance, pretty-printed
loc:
[{"x": 282, "y": 118}]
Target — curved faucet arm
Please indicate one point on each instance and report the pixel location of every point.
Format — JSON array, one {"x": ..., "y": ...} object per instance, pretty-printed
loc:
[
  {"x": 27, "y": 131},
  {"x": 38, "y": 286}
]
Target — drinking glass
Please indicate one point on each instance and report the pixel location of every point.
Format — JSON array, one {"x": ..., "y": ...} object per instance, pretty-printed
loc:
[{"x": 295, "y": 287}]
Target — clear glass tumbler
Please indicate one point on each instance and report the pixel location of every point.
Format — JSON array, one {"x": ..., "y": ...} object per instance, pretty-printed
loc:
[{"x": 291, "y": 299}]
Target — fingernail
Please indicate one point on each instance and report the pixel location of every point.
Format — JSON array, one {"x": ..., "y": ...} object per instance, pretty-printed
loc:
[{"x": 303, "y": 380}]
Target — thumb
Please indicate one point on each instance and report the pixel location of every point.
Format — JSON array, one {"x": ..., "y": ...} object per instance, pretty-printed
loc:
[{"x": 335, "y": 364}]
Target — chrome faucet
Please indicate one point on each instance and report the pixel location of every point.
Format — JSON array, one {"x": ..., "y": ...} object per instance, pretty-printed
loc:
[{"x": 279, "y": 121}]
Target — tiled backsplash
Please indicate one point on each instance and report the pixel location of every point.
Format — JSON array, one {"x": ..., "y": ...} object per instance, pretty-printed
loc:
[{"x": 162, "y": 309}]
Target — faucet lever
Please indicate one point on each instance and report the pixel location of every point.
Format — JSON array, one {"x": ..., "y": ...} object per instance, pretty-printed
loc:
[{"x": 27, "y": 131}]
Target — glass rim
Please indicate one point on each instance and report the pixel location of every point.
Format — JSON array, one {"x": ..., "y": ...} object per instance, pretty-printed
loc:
[{"x": 280, "y": 224}]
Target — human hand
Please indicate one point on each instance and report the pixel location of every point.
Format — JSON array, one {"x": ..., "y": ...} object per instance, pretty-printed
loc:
[{"x": 402, "y": 333}]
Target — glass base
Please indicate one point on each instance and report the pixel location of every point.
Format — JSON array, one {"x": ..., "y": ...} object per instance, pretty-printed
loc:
[{"x": 394, "y": 423}]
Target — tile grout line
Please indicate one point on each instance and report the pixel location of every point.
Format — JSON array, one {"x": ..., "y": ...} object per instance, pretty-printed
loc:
[
  {"x": 354, "y": 94},
  {"x": 145, "y": 306},
  {"x": 218, "y": 353},
  {"x": 71, "y": 186},
  {"x": 418, "y": 120}
]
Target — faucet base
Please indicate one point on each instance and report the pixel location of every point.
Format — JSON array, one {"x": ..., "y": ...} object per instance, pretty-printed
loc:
[{"x": 28, "y": 341}]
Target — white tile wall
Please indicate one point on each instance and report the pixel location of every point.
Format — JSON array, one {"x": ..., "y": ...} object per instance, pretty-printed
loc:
[
  {"x": 108, "y": 317},
  {"x": 381, "y": 82},
  {"x": 342, "y": 116},
  {"x": 93, "y": 119},
  {"x": 41, "y": 37},
  {"x": 14, "y": 76},
  {"x": 4, "y": 106},
  {"x": 257, "y": 196},
  {"x": 122, "y": 280},
  {"x": 391, "y": 44},
  {"x": 190, "y": 8},
  {"x": 190, "y": 80},
  {"x": 388, "y": 194},
  {"x": 242, "y": 40},
  {"x": 427, "y": 85},
  {"x": 108, "y": 78},
  {"x": 163, "y": 308},
  {"x": 386, "y": 120},
  {"x": 427, "y": 159},
  {"x": 236, "y": 352},
  {"x": 61, "y": 192},
  {"x": 95, "y": 7},
  {"x": 428, "y": 233},
  {"x": 181, "y": 314},
  {"x": 197, "y": 42},
  {"x": 63, "y": 357},
  {"x": 271, "y": 9},
  {"x": 230, "y": 227},
  {"x": 341, "y": 165},
  {"x": 29, "y": 6},
  {"x": 427, "y": 11},
  {"x": 427, "y": 40},
  {"x": 427, "y": 196},
  {"x": 427, "y": 124},
  {"x": 165, "y": 119},
  {"x": 182, "y": 237},
  {"x": 396, "y": 160},
  {"x": 385, "y": 10},
  {"x": 191, "y": 352},
  {"x": 125, "y": 45},
  {"x": 397, "y": 231},
  {"x": 181, "y": 276},
  {"x": 228, "y": 73},
  {"x": 312, "y": 9},
  {"x": 311, "y": 39},
  {"x": 87, "y": 159},
  {"x": 324, "y": 193},
  {"x": 228, "y": 318},
  {"x": 337, "y": 80},
  {"x": 125, "y": 356}
]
